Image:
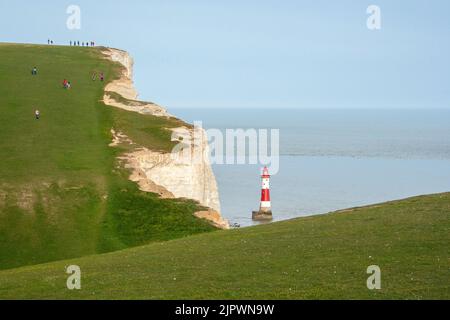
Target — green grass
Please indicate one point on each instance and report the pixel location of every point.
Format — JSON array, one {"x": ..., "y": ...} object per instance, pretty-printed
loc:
[
  {"x": 320, "y": 257},
  {"x": 148, "y": 131},
  {"x": 61, "y": 195}
]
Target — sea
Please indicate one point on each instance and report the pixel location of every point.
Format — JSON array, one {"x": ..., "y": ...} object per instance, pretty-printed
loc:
[{"x": 333, "y": 159}]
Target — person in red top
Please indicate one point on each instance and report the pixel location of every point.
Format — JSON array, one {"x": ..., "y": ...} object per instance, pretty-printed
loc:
[{"x": 65, "y": 84}]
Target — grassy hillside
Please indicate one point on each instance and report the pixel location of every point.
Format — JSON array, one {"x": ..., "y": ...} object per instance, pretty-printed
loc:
[
  {"x": 61, "y": 195},
  {"x": 309, "y": 258}
]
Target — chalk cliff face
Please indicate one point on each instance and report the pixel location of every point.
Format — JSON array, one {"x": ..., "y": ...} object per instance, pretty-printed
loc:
[
  {"x": 184, "y": 173},
  {"x": 124, "y": 86}
]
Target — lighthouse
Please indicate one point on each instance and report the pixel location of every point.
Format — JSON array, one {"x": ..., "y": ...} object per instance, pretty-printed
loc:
[{"x": 265, "y": 209}]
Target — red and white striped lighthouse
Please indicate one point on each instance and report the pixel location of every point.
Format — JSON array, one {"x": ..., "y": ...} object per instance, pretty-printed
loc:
[
  {"x": 265, "y": 210},
  {"x": 266, "y": 206}
]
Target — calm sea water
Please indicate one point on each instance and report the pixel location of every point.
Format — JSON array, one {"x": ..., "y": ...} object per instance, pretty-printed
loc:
[{"x": 334, "y": 159}]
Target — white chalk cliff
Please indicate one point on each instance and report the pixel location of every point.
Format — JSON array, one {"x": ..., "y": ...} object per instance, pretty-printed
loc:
[{"x": 171, "y": 175}]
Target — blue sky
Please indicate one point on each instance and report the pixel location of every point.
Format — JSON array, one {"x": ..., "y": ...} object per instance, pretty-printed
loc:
[{"x": 284, "y": 54}]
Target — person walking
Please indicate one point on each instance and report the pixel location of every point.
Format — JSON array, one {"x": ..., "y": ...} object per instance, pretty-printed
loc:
[
  {"x": 37, "y": 114},
  {"x": 34, "y": 71}
]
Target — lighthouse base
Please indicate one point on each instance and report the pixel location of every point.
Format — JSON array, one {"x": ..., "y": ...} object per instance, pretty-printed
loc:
[{"x": 262, "y": 215}]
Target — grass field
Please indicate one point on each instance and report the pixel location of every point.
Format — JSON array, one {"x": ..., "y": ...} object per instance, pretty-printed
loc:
[
  {"x": 61, "y": 195},
  {"x": 321, "y": 257}
]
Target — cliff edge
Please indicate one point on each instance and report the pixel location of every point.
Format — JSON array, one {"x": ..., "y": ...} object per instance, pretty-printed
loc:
[{"x": 171, "y": 175}]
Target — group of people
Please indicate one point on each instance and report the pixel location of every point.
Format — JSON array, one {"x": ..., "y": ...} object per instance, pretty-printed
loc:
[
  {"x": 77, "y": 43},
  {"x": 67, "y": 84},
  {"x": 83, "y": 44},
  {"x": 37, "y": 113},
  {"x": 101, "y": 76}
]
